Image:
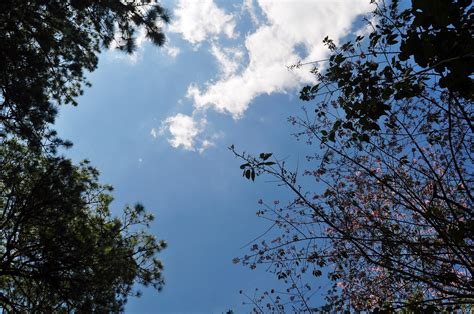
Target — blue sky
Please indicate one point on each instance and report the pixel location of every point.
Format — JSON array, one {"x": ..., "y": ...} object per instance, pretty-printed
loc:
[{"x": 157, "y": 125}]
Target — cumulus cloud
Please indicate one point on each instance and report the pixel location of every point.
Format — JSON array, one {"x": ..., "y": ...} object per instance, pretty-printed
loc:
[
  {"x": 287, "y": 32},
  {"x": 205, "y": 145},
  {"x": 197, "y": 21},
  {"x": 290, "y": 25},
  {"x": 188, "y": 132},
  {"x": 248, "y": 6},
  {"x": 171, "y": 51},
  {"x": 183, "y": 130},
  {"x": 228, "y": 59},
  {"x": 154, "y": 133}
]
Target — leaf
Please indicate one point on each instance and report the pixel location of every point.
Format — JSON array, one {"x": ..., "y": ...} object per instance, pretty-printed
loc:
[
  {"x": 364, "y": 138},
  {"x": 317, "y": 273},
  {"x": 332, "y": 136},
  {"x": 339, "y": 59},
  {"x": 265, "y": 156}
]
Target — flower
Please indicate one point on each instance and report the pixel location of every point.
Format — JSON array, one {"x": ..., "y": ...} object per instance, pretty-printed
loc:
[{"x": 341, "y": 284}]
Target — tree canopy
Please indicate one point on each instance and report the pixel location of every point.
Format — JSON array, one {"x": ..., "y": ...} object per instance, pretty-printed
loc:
[
  {"x": 61, "y": 249},
  {"x": 47, "y": 47},
  {"x": 389, "y": 216}
]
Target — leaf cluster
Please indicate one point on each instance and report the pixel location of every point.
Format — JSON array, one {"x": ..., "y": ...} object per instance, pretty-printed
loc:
[
  {"x": 406, "y": 53},
  {"x": 384, "y": 205},
  {"x": 61, "y": 249},
  {"x": 49, "y": 46}
]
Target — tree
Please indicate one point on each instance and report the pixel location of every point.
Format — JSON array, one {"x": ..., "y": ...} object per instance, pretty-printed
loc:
[
  {"x": 48, "y": 45},
  {"x": 389, "y": 217},
  {"x": 61, "y": 250}
]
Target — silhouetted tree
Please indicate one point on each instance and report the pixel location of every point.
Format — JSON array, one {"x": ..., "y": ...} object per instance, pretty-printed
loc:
[
  {"x": 389, "y": 216},
  {"x": 61, "y": 250},
  {"x": 47, "y": 45}
]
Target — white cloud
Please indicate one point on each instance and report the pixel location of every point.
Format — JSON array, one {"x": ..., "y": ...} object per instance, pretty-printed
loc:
[
  {"x": 154, "y": 133},
  {"x": 290, "y": 24},
  {"x": 205, "y": 145},
  {"x": 250, "y": 8},
  {"x": 293, "y": 31},
  {"x": 188, "y": 132},
  {"x": 200, "y": 20},
  {"x": 171, "y": 51},
  {"x": 183, "y": 130},
  {"x": 229, "y": 59}
]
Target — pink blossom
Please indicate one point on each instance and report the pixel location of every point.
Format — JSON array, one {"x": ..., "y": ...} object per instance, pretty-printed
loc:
[{"x": 341, "y": 284}]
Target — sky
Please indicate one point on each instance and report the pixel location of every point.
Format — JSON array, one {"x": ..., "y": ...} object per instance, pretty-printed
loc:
[{"x": 158, "y": 124}]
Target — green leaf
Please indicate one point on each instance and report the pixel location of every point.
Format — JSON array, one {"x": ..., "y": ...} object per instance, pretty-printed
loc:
[
  {"x": 364, "y": 138},
  {"x": 265, "y": 156},
  {"x": 332, "y": 136}
]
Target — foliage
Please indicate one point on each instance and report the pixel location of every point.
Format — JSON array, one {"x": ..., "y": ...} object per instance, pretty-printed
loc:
[
  {"x": 48, "y": 45},
  {"x": 60, "y": 248},
  {"x": 366, "y": 87},
  {"x": 389, "y": 215}
]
